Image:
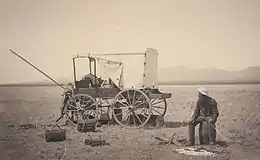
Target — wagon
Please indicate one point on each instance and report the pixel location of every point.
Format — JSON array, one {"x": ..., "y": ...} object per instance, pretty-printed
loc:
[{"x": 130, "y": 102}]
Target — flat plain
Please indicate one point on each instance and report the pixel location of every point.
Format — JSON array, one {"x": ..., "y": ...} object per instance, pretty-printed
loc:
[{"x": 238, "y": 124}]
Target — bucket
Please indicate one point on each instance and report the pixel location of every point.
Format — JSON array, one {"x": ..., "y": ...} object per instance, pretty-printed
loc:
[
  {"x": 104, "y": 119},
  {"x": 55, "y": 135}
]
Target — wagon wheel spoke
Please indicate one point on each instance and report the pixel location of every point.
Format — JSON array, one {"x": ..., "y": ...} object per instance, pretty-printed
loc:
[
  {"x": 133, "y": 100},
  {"x": 138, "y": 119},
  {"x": 128, "y": 118},
  {"x": 80, "y": 100},
  {"x": 72, "y": 106},
  {"x": 73, "y": 100},
  {"x": 119, "y": 114},
  {"x": 157, "y": 112},
  {"x": 100, "y": 101},
  {"x": 159, "y": 106},
  {"x": 138, "y": 99},
  {"x": 73, "y": 110},
  {"x": 97, "y": 112},
  {"x": 145, "y": 115},
  {"x": 157, "y": 102},
  {"x": 86, "y": 102},
  {"x": 128, "y": 97},
  {"x": 144, "y": 111},
  {"x": 84, "y": 99},
  {"x": 90, "y": 106},
  {"x": 153, "y": 100},
  {"x": 125, "y": 98},
  {"x": 122, "y": 104},
  {"x": 117, "y": 108},
  {"x": 137, "y": 106},
  {"x": 125, "y": 115},
  {"x": 133, "y": 117}
]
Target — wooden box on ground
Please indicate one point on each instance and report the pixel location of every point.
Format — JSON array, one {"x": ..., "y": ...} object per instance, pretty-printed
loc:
[
  {"x": 55, "y": 135},
  {"x": 95, "y": 140}
]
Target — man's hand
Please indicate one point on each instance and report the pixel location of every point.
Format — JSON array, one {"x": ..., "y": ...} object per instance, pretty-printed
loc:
[
  {"x": 200, "y": 118},
  {"x": 191, "y": 121},
  {"x": 210, "y": 120}
]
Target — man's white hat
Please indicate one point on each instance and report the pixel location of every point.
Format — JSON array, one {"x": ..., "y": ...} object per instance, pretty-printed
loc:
[{"x": 203, "y": 91}]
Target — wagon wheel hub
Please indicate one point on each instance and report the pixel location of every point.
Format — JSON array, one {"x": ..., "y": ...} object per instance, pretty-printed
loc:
[
  {"x": 131, "y": 108},
  {"x": 81, "y": 109}
]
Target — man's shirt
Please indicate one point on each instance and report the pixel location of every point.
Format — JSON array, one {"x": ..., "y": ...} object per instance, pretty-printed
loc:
[{"x": 206, "y": 108}]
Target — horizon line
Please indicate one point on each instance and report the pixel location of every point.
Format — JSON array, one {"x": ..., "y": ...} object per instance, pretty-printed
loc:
[
  {"x": 227, "y": 82},
  {"x": 217, "y": 68}
]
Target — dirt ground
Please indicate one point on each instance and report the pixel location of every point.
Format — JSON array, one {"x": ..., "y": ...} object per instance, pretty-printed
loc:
[{"x": 239, "y": 123}]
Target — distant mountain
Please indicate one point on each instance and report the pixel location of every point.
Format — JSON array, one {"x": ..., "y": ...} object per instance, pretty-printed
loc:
[{"x": 185, "y": 74}]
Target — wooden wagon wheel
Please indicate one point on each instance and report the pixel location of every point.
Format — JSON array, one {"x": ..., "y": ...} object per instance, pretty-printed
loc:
[
  {"x": 81, "y": 106},
  {"x": 159, "y": 106},
  {"x": 131, "y": 108}
]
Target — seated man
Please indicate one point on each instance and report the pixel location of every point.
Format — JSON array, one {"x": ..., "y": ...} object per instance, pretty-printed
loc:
[{"x": 206, "y": 109}]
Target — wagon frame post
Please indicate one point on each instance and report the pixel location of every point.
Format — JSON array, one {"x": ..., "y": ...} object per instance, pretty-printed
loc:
[{"x": 74, "y": 70}]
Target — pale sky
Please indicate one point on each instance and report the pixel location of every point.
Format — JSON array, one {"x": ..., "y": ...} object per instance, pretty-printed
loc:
[{"x": 223, "y": 34}]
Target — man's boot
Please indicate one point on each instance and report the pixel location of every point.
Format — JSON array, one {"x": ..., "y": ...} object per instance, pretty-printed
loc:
[
  {"x": 191, "y": 135},
  {"x": 212, "y": 134}
]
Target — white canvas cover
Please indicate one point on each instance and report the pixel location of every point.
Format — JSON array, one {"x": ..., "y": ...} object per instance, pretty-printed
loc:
[
  {"x": 110, "y": 69},
  {"x": 133, "y": 70},
  {"x": 151, "y": 69}
]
